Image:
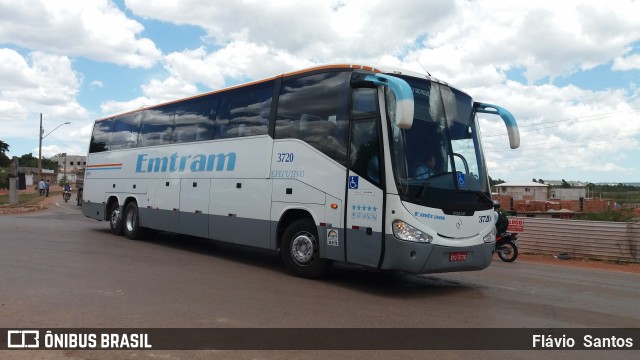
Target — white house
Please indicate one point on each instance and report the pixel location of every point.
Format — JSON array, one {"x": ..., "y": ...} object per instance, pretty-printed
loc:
[
  {"x": 69, "y": 165},
  {"x": 523, "y": 190}
]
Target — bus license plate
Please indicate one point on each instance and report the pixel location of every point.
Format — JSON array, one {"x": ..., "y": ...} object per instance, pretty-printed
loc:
[{"x": 458, "y": 256}]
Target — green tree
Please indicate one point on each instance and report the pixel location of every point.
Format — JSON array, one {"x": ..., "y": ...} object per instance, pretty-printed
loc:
[
  {"x": 28, "y": 160},
  {"x": 4, "y": 147},
  {"x": 4, "y": 159},
  {"x": 493, "y": 182},
  {"x": 4, "y": 178},
  {"x": 4, "y": 163}
]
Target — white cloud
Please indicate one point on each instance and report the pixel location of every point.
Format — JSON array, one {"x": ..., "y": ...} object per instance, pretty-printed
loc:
[
  {"x": 546, "y": 38},
  {"x": 236, "y": 63},
  {"x": 452, "y": 39},
  {"x": 563, "y": 130},
  {"x": 625, "y": 63},
  {"x": 40, "y": 81},
  {"x": 37, "y": 84},
  {"x": 95, "y": 29},
  {"x": 319, "y": 31},
  {"x": 114, "y": 107}
]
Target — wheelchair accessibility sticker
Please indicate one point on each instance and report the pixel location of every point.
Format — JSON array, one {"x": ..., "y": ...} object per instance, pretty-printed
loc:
[
  {"x": 353, "y": 182},
  {"x": 462, "y": 181}
]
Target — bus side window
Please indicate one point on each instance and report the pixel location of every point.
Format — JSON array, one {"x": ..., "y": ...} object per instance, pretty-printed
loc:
[
  {"x": 125, "y": 131},
  {"x": 101, "y": 136},
  {"x": 245, "y": 111},
  {"x": 314, "y": 109},
  {"x": 194, "y": 120},
  {"x": 157, "y": 126},
  {"x": 365, "y": 103}
]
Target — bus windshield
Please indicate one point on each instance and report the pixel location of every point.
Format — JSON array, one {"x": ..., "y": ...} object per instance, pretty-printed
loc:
[{"x": 438, "y": 162}]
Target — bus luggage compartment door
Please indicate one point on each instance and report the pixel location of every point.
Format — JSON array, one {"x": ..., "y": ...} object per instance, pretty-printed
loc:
[{"x": 194, "y": 207}]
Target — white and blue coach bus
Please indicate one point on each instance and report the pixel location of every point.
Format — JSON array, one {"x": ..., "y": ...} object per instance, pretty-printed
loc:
[{"x": 322, "y": 165}]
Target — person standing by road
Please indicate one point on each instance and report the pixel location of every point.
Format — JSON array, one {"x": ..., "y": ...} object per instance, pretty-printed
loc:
[
  {"x": 46, "y": 188},
  {"x": 41, "y": 187}
]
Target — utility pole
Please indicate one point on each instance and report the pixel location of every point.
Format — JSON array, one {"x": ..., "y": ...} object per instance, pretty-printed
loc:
[
  {"x": 64, "y": 176},
  {"x": 40, "y": 150},
  {"x": 42, "y": 136}
]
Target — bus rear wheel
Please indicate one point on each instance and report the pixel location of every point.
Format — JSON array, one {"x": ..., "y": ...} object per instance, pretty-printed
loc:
[
  {"x": 131, "y": 223},
  {"x": 115, "y": 219},
  {"x": 300, "y": 250}
]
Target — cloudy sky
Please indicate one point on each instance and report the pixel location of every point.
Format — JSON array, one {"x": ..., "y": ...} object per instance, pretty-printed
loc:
[{"x": 568, "y": 70}]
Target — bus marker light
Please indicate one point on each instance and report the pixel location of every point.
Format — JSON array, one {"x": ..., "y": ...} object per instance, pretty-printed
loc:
[{"x": 334, "y": 206}]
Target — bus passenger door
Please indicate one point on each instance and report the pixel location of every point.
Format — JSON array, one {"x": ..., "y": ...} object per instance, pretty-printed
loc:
[
  {"x": 194, "y": 207},
  {"x": 364, "y": 207}
]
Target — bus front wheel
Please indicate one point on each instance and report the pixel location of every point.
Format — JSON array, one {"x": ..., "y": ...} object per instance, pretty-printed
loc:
[
  {"x": 131, "y": 223},
  {"x": 300, "y": 250},
  {"x": 115, "y": 219}
]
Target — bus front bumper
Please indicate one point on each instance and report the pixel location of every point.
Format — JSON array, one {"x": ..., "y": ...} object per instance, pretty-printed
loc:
[{"x": 425, "y": 258}]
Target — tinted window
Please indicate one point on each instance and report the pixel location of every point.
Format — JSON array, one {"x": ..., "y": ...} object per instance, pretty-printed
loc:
[
  {"x": 245, "y": 111},
  {"x": 157, "y": 126},
  {"x": 101, "y": 136},
  {"x": 365, "y": 156},
  {"x": 194, "y": 119},
  {"x": 365, "y": 102},
  {"x": 314, "y": 109},
  {"x": 125, "y": 131}
]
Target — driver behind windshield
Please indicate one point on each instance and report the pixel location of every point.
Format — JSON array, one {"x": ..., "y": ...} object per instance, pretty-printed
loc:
[{"x": 425, "y": 167}]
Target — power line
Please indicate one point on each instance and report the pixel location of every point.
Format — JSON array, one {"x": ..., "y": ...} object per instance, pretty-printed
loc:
[
  {"x": 568, "y": 121},
  {"x": 564, "y": 147},
  {"x": 58, "y": 140}
]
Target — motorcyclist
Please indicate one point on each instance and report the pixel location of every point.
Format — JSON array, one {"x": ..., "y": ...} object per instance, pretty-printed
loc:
[
  {"x": 502, "y": 223},
  {"x": 66, "y": 188}
]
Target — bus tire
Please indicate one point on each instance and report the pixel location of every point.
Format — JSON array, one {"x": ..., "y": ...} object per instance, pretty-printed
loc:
[
  {"x": 300, "y": 250},
  {"x": 115, "y": 219},
  {"x": 131, "y": 221}
]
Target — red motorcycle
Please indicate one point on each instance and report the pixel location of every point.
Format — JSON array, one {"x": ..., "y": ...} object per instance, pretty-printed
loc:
[
  {"x": 506, "y": 242},
  {"x": 507, "y": 246}
]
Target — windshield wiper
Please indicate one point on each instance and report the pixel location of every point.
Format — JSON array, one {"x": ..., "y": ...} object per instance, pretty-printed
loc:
[
  {"x": 427, "y": 182},
  {"x": 485, "y": 197},
  {"x": 424, "y": 188}
]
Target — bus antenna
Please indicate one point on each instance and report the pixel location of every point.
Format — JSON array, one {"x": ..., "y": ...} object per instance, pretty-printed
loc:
[{"x": 423, "y": 68}]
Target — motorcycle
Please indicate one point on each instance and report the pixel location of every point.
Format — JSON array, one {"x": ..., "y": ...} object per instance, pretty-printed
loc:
[
  {"x": 66, "y": 195},
  {"x": 507, "y": 246}
]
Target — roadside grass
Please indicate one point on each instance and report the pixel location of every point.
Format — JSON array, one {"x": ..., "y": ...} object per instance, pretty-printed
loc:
[{"x": 27, "y": 198}]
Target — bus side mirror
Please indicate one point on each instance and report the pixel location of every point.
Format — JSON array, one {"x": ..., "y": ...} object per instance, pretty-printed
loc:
[
  {"x": 400, "y": 105},
  {"x": 509, "y": 121}
]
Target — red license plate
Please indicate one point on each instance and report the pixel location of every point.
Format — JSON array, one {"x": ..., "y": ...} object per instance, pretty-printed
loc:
[{"x": 458, "y": 256}]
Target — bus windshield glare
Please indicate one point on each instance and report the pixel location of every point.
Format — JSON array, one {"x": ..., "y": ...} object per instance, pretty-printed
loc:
[{"x": 438, "y": 162}]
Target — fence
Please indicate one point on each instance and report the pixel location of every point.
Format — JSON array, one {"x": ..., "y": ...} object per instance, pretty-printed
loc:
[{"x": 600, "y": 240}]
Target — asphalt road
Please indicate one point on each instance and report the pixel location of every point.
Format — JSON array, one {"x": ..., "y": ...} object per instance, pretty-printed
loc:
[{"x": 62, "y": 270}]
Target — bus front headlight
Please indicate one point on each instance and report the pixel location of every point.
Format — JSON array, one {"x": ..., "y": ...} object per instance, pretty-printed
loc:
[
  {"x": 404, "y": 231},
  {"x": 491, "y": 236}
]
